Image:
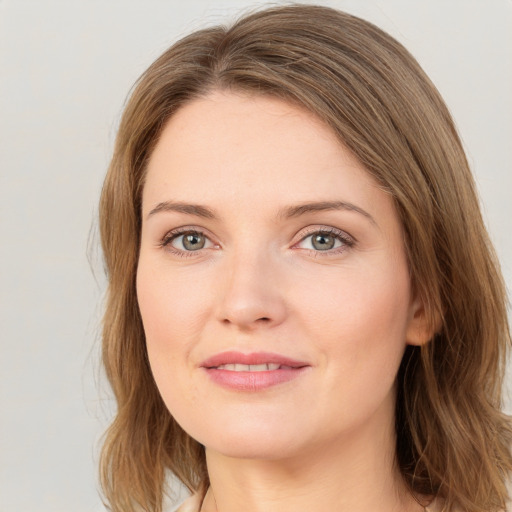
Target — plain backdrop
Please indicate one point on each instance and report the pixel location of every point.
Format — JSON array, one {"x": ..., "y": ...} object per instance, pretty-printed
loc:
[{"x": 65, "y": 70}]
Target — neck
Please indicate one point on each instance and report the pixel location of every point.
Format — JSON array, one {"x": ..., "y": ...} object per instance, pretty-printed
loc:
[{"x": 356, "y": 474}]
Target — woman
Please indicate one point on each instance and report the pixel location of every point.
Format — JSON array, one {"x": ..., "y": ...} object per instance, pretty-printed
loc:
[{"x": 304, "y": 309}]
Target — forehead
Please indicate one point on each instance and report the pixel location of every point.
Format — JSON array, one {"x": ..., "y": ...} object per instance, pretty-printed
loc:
[{"x": 231, "y": 145}]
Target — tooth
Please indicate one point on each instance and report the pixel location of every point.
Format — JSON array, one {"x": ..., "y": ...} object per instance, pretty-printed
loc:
[
  {"x": 257, "y": 367},
  {"x": 237, "y": 367}
]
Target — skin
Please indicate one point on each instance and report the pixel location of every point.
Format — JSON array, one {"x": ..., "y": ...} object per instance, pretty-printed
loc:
[{"x": 324, "y": 440}]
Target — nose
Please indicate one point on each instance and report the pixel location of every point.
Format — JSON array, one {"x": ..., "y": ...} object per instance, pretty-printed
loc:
[{"x": 251, "y": 294}]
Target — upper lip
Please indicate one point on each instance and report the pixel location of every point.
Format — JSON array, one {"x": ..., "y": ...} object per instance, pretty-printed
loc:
[{"x": 254, "y": 358}]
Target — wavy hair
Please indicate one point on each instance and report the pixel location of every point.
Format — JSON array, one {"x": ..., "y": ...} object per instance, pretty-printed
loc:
[{"x": 453, "y": 441}]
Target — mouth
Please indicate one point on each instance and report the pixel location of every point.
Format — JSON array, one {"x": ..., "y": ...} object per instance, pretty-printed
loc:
[
  {"x": 254, "y": 362},
  {"x": 265, "y": 367},
  {"x": 252, "y": 372}
]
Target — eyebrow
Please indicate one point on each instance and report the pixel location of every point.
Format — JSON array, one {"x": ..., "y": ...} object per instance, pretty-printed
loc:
[
  {"x": 322, "y": 206},
  {"x": 189, "y": 209},
  {"x": 285, "y": 213}
]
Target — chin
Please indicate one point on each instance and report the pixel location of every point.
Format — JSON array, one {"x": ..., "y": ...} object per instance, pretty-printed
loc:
[
  {"x": 254, "y": 450},
  {"x": 243, "y": 441}
]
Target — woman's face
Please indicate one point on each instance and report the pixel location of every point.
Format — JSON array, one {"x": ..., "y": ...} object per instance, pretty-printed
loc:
[{"x": 272, "y": 281}]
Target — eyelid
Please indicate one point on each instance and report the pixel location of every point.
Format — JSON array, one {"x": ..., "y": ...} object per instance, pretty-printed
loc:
[
  {"x": 173, "y": 234},
  {"x": 346, "y": 239}
]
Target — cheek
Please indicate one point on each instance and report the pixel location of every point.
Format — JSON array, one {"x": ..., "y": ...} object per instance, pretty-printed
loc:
[
  {"x": 370, "y": 297},
  {"x": 359, "y": 321},
  {"x": 171, "y": 323},
  {"x": 170, "y": 320},
  {"x": 172, "y": 312}
]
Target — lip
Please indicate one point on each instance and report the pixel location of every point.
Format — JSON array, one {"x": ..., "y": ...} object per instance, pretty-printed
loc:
[
  {"x": 233, "y": 357},
  {"x": 252, "y": 380}
]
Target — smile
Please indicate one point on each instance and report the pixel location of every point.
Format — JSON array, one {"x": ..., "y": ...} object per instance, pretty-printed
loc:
[
  {"x": 252, "y": 367},
  {"x": 252, "y": 372}
]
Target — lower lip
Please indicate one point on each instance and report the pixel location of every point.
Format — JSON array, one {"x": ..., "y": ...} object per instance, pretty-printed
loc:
[{"x": 253, "y": 381}]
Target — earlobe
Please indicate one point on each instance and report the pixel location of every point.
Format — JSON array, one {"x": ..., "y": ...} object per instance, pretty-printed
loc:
[{"x": 422, "y": 326}]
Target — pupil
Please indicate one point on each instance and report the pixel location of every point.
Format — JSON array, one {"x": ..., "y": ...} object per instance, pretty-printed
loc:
[
  {"x": 323, "y": 242},
  {"x": 193, "y": 242}
]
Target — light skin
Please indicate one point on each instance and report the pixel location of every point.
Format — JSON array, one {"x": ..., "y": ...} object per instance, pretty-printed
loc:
[{"x": 262, "y": 233}]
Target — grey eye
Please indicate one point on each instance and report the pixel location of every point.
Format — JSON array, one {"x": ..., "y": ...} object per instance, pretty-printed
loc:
[
  {"x": 190, "y": 241},
  {"x": 323, "y": 242}
]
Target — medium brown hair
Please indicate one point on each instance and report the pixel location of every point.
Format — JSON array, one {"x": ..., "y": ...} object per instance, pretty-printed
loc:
[{"x": 452, "y": 439}]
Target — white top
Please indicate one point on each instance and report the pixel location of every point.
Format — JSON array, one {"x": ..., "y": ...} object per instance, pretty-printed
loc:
[{"x": 191, "y": 504}]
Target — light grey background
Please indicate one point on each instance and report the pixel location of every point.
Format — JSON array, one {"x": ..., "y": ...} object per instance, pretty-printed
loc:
[{"x": 65, "y": 69}]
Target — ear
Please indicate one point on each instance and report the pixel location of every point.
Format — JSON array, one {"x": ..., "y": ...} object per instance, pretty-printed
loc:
[{"x": 422, "y": 326}]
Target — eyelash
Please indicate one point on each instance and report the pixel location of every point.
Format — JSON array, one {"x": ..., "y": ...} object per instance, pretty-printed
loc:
[
  {"x": 346, "y": 240},
  {"x": 176, "y": 233}
]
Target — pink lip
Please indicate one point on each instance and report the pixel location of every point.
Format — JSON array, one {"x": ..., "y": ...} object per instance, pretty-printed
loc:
[
  {"x": 254, "y": 358},
  {"x": 252, "y": 381}
]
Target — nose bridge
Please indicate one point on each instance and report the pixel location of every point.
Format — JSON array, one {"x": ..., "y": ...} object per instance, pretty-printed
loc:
[{"x": 251, "y": 294}]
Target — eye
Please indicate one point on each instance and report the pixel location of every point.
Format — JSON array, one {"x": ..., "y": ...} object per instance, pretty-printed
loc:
[
  {"x": 186, "y": 241},
  {"x": 326, "y": 240}
]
